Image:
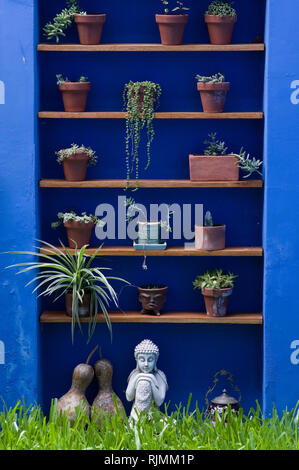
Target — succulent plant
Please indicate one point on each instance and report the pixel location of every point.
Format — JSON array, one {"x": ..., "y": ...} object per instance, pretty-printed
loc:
[
  {"x": 221, "y": 8},
  {"x": 214, "y": 279}
]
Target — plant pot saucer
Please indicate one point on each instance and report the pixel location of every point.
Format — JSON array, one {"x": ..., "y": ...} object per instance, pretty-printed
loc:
[{"x": 149, "y": 246}]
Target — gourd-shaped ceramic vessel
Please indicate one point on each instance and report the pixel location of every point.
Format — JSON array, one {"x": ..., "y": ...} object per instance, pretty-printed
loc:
[
  {"x": 75, "y": 397},
  {"x": 70, "y": 402},
  {"x": 104, "y": 402}
]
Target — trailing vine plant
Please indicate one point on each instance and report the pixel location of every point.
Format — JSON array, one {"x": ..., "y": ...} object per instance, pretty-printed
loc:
[
  {"x": 140, "y": 100},
  {"x": 62, "y": 21}
]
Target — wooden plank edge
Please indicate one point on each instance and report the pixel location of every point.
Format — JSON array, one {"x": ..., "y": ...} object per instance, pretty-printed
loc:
[
  {"x": 115, "y": 183},
  {"x": 147, "y": 47},
  {"x": 167, "y": 317}
]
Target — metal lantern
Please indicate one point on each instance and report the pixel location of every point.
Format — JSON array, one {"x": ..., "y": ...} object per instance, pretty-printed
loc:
[{"x": 220, "y": 404}]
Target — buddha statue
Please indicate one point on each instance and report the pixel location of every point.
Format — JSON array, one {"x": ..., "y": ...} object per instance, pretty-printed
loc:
[{"x": 147, "y": 385}]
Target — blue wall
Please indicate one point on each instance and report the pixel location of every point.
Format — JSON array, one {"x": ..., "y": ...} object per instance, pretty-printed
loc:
[
  {"x": 281, "y": 331},
  {"x": 204, "y": 348}
]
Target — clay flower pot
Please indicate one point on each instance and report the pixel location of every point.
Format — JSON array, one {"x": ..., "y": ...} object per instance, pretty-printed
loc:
[
  {"x": 216, "y": 301},
  {"x": 213, "y": 95},
  {"x": 213, "y": 168},
  {"x": 152, "y": 299},
  {"x": 78, "y": 233},
  {"x": 210, "y": 238},
  {"x": 83, "y": 309},
  {"x": 75, "y": 166},
  {"x": 171, "y": 28},
  {"x": 74, "y": 96},
  {"x": 220, "y": 28},
  {"x": 90, "y": 28}
]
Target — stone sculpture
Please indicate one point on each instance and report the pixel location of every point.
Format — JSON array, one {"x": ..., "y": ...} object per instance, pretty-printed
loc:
[{"x": 147, "y": 385}]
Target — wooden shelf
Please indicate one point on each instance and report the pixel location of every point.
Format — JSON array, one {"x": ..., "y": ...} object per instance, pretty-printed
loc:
[
  {"x": 149, "y": 47},
  {"x": 167, "y": 317},
  {"x": 170, "y": 115},
  {"x": 173, "y": 251},
  {"x": 115, "y": 183}
]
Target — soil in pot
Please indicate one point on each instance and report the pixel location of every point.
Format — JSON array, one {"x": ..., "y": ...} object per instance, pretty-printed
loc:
[
  {"x": 213, "y": 96},
  {"x": 171, "y": 28},
  {"x": 210, "y": 238},
  {"x": 78, "y": 233},
  {"x": 152, "y": 298},
  {"x": 213, "y": 168},
  {"x": 216, "y": 301},
  {"x": 75, "y": 166},
  {"x": 83, "y": 309},
  {"x": 74, "y": 96},
  {"x": 220, "y": 28},
  {"x": 90, "y": 28}
]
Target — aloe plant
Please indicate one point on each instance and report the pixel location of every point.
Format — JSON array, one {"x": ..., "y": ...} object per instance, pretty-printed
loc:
[{"x": 60, "y": 272}]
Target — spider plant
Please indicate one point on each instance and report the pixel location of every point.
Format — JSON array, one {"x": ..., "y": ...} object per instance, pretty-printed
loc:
[{"x": 61, "y": 271}]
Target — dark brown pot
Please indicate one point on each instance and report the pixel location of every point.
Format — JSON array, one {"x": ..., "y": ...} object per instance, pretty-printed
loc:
[
  {"x": 213, "y": 168},
  {"x": 213, "y": 96},
  {"x": 78, "y": 233},
  {"x": 75, "y": 166},
  {"x": 83, "y": 309},
  {"x": 220, "y": 28},
  {"x": 171, "y": 28},
  {"x": 90, "y": 28},
  {"x": 210, "y": 238},
  {"x": 216, "y": 301},
  {"x": 152, "y": 300},
  {"x": 74, "y": 96}
]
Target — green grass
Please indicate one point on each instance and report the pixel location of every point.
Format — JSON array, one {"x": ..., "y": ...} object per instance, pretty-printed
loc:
[{"x": 24, "y": 428}]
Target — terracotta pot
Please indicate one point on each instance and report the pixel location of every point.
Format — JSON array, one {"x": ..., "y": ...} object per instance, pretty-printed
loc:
[
  {"x": 216, "y": 301},
  {"x": 90, "y": 28},
  {"x": 152, "y": 300},
  {"x": 83, "y": 308},
  {"x": 213, "y": 96},
  {"x": 213, "y": 168},
  {"x": 171, "y": 28},
  {"x": 74, "y": 96},
  {"x": 75, "y": 166},
  {"x": 141, "y": 98},
  {"x": 220, "y": 28},
  {"x": 210, "y": 238},
  {"x": 78, "y": 233}
]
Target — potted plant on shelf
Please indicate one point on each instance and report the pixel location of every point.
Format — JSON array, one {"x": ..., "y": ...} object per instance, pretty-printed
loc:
[
  {"x": 218, "y": 164},
  {"x": 89, "y": 26},
  {"x": 140, "y": 100},
  {"x": 209, "y": 237},
  {"x": 213, "y": 91},
  {"x": 75, "y": 160},
  {"x": 74, "y": 94},
  {"x": 78, "y": 227},
  {"x": 87, "y": 289},
  {"x": 220, "y": 19},
  {"x": 216, "y": 286},
  {"x": 171, "y": 26},
  {"x": 152, "y": 298}
]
